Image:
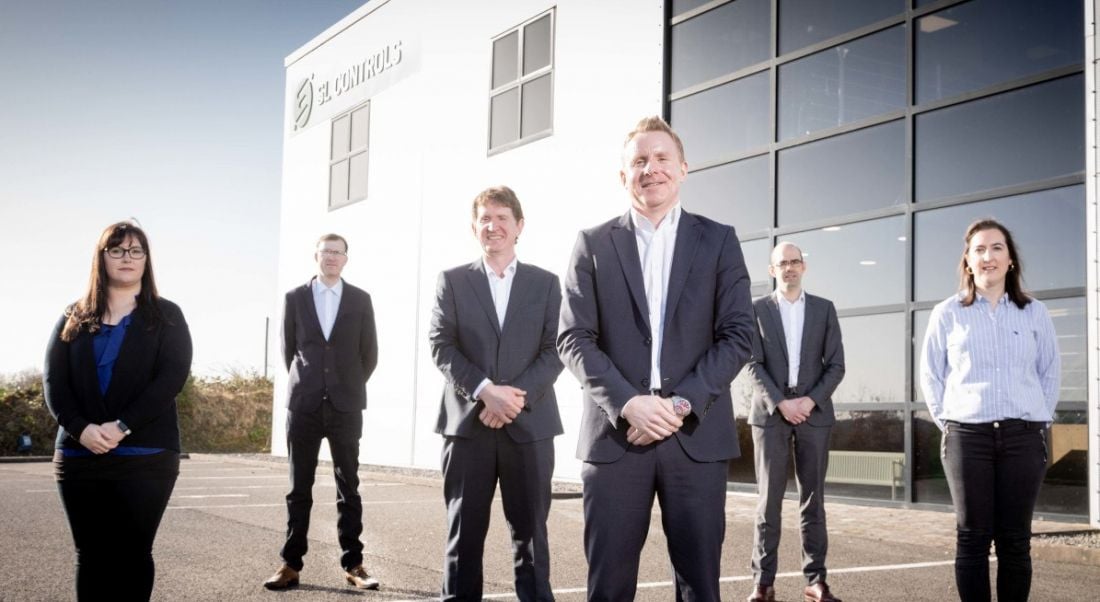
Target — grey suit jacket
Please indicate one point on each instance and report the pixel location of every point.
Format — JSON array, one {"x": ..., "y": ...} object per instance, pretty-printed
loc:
[
  {"x": 340, "y": 365},
  {"x": 469, "y": 345},
  {"x": 605, "y": 334},
  {"x": 821, "y": 366}
]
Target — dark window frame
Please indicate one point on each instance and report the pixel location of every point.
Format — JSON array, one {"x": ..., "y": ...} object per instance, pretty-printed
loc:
[{"x": 519, "y": 84}]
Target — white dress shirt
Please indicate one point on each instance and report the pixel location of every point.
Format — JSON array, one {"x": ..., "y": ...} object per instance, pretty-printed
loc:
[
  {"x": 501, "y": 289},
  {"x": 655, "y": 248},
  {"x": 793, "y": 315},
  {"x": 327, "y": 302}
]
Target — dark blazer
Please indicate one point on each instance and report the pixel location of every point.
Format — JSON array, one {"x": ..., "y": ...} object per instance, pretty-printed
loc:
[
  {"x": 468, "y": 345},
  {"x": 605, "y": 334},
  {"x": 821, "y": 366},
  {"x": 151, "y": 369},
  {"x": 340, "y": 365}
]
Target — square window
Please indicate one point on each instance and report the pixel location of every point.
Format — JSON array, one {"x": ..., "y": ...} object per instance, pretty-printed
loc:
[{"x": 521, "y": 99}]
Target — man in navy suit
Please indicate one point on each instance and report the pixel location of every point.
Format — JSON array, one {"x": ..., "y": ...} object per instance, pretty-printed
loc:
[
  {"x": 331, "y": 348},
  {"x": 798, "y": 363},
  {"x": 492, "y": 336},
  {"x": 656, "y": 323}
]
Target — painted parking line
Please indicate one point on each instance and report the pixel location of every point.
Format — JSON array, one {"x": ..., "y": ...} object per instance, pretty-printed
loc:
[
  {"x": 209, "y": 495},
  {"x": 739, "y": 578},
  {"x": 283, "y": 504}
]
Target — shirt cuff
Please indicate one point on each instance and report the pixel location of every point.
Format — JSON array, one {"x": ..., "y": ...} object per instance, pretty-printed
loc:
[{"x": 484, "y": 383}]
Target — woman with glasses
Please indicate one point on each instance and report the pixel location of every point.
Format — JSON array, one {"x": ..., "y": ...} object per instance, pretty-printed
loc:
[
  {"x": 990, "y": 372},
  {"x": 116, "y": 360}
]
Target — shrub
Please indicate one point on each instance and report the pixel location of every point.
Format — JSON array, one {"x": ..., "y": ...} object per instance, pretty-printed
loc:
[{"x": 229, "y": 414}]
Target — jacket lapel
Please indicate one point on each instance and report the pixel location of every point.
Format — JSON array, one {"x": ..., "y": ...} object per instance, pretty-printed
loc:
[
  {"x": 688, "y": 232},
  {"x": 777, "y": 324},
  {"x": 479, "y": 282},
  {"x": 808, "y": 322},
  {"x": 626, "y": 246},
  {"x": 305, "y": 297},
  {"x": 517, "y": 298}
]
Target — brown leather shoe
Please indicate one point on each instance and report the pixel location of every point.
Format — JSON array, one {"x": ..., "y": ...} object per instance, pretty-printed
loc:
[
  {"x": 359, "y": 577},
  {"x": 762, "y": 593},
  {"x": 819, "y": 592},
  {"x": 283, "y": 578}
]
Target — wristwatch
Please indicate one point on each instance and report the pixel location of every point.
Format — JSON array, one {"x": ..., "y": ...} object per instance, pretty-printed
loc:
[
  {"x": 122, "y": 427},
  {"x": 681, "y": 406}
]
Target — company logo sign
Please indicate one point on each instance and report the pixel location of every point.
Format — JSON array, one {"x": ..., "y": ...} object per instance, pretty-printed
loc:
[
  {"x": 303, "y": 103},
  {"x": 309, "y": 95}
]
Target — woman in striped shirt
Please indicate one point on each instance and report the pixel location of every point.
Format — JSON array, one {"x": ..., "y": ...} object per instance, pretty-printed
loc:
[{"x": 990, "y": 373}]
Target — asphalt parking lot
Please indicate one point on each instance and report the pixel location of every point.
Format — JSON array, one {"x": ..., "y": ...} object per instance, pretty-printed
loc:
[{"x": 221, "y": 535}]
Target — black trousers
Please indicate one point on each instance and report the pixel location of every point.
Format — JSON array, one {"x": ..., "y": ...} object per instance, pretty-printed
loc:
[
  {"x": 618, "y": 501},
  {"x": 304, "y": 431},
  {"x": 471, "y": 469},
  {"x": 114, "y": 523},
  {"x": 994, "y": 471}
]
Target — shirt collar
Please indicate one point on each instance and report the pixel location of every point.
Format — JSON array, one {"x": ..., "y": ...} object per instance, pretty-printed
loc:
[
  {"x": 509, "y": 270},
  {"x": 781, "y": 299},
  {"x": 337, "y": 289},
  {"x": 641, "y": 222}
]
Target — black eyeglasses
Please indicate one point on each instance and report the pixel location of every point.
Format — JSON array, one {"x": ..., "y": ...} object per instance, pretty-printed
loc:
[
  {"x": 135, "y": 253},
  {"x": 789, "y": 263}
]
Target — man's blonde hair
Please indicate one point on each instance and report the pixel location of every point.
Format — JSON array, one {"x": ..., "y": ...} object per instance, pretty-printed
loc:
[{"x": 655, "y": 124}]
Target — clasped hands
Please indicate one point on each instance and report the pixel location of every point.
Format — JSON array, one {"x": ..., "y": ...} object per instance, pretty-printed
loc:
[
  {"x": 101, "y": 438},
  {"x": 796, "y": 410},
  {"x": 651, "y": 418},
  {"x": 502, "y": 404}
]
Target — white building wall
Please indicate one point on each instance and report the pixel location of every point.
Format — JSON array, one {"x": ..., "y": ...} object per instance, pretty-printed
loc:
[{"x": 428, "y": 158}]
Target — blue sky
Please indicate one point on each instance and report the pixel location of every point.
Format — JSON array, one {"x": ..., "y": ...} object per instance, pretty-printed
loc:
[{"x": 170, "y": 112}]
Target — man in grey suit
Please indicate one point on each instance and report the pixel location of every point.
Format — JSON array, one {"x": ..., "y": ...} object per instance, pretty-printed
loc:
[
  {"x": 492, "y": 336},
  {"x": 798, "y": 363},
  {"x": 656, "y": 322},
  {"x": 331, "y": 349}
]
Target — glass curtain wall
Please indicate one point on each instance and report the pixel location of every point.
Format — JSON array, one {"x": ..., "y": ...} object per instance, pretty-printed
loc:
[{"x": 871, "y": 133}]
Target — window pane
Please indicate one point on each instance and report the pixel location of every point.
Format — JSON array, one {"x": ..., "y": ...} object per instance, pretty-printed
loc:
[
  {"x": 536, "y": 45},
  {"x": 929, "y": 482},
  {"x": 805, "y": 22},
  {"x": 536, "y": 106},
  {"x": 756, "y": 254},
  {"x": 920, "y": 326},
  {"x": 1012, "y": 138},
  {"x": 734, "y": 193},
  {"x": 358, "y": 187},
  {"x": 506, "y": 59},
  {"x": 866, "y": 456},
  {"x": 844, "y": 174},
  {"x": 842, "y": 260},
  {"x": 1047, "y": 226},
  {"x": 338, "y": 184},
  {"x": 505, "y": 118},
  {"x": 723, "y": 121},
  {"x": 682, "y": 6},
  {"x": 1065, "y": 487},
  {"x": 874, "y": 359},
  {"x": 1069, "y": 320},
  {"x": 976, "y": 44},
  {"x": 360, "y": 127},
  {"x": 846, "y": 83},
  {"x": 341, "y": 136},
  {"x": 719, "y": 42}
]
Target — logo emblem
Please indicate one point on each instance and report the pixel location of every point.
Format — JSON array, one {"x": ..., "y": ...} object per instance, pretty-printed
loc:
[{"x": 303, "y": 103}]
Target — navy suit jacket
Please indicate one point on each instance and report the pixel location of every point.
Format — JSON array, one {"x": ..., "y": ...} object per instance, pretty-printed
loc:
[
  {"x": 468, "y": 345},
  {"x": 340, "y": 365},
  {"x": 605, "y": 334},
  {"x": 820, "y": 368}
]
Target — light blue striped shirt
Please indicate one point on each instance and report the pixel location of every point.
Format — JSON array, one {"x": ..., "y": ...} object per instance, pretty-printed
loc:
[{"x": 979, "y": 365}]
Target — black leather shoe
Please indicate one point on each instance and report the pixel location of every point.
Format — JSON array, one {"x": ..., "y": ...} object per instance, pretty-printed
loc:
[
  {"x": 284, "y": 578},
  {"x": 762, "y": 593},
  {"x": 359, "y": 577}
]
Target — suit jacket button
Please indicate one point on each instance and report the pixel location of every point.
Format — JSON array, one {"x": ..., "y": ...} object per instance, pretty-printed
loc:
[
  {"x": 648, "y": 341},
  {"x": 326, "y": 370},
  {"x": 645, "y": 382}
]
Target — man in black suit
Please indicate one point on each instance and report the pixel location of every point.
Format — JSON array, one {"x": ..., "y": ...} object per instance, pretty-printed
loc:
[
  {"x": 493, "y": 331},
  {"x": 331, "y": 348},
  {"x": 657, "y": 321},
  {"x": 798, "y": 363}
]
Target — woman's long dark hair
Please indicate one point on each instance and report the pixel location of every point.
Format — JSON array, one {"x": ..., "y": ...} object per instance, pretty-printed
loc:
[
  {"x": 87, "y": 313},
  {"x": 1014, "y": 277}
]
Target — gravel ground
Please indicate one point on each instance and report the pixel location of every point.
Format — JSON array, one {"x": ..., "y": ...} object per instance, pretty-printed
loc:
[{"x": 1080, "y": 539}]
